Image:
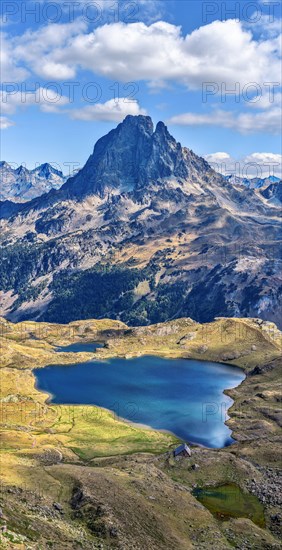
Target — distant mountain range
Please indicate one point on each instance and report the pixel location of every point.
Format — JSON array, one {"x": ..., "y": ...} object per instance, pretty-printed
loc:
[
  {"x": 269, "y": 188},
  {"x": 21, "y": 185},
  {"x": 253, "y": 183},
  {"x": 146, "y": 231}
]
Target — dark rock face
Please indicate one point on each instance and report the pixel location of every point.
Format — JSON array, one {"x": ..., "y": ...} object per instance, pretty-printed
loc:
[
  {"x": 260, "y": 369},
  {"x": 130, "y": 157},
  {"x": 8, "y": 209},
  {"x": 273, "y": 191}
]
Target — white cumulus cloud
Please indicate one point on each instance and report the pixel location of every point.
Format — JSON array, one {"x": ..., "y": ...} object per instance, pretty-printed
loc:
[
  {"x": 268, "y": 121},
  {"x": 5, "y": 123},
  {"x": 48, "y": 99},
  {"x": 10, "y": 70},
  {"x": 41, "y": 50},
  {"x": 112, "y": 110},
  {"x": 261, "y": 165},
  {"x": 222, "y": 51}
]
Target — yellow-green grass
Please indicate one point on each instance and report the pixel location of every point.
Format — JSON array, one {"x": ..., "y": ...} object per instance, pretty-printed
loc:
[{"x": 46, "y": 449}]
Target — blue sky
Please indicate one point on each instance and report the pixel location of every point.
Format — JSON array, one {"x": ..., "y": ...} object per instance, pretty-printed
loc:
[{"x": 91, "y": 63}]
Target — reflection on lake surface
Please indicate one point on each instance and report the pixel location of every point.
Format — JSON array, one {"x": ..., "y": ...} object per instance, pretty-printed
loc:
[{"x": 179, "y": 395}]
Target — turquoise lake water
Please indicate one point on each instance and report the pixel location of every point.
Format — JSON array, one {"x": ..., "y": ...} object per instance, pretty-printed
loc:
[{"x": 182, "y": 396}]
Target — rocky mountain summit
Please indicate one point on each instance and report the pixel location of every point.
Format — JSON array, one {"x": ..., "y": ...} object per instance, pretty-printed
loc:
[
  {"x": 147, "y": 231},
  {"x": 21, "y": 185},
  {"x": 133, "y": 156}
]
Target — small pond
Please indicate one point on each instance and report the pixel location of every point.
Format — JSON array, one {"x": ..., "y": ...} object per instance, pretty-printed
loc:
[
  {"x": 229, "y": 501},
  {"x": 88, "y": 347}
]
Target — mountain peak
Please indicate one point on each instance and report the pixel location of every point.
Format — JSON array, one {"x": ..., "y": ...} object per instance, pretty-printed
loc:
[
  {"x": 46, "y": 170},
  {"x": 45, "y": 167},
  {"x": 141, "y": 121},
  {"x": 131, "y": 156},
  {"x": 4, "y": 164},
  {"x": 161, "y": 128},
  {"x": 21, "y": 170}
]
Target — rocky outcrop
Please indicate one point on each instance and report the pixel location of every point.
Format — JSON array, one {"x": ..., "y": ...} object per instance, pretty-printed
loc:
[{"x": 273, "y": 192}]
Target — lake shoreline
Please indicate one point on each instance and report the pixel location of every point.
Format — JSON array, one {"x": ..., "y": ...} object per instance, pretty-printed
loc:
[
  {"x": 142, "y": 425},
  {"x": 55, "y": 453}
]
